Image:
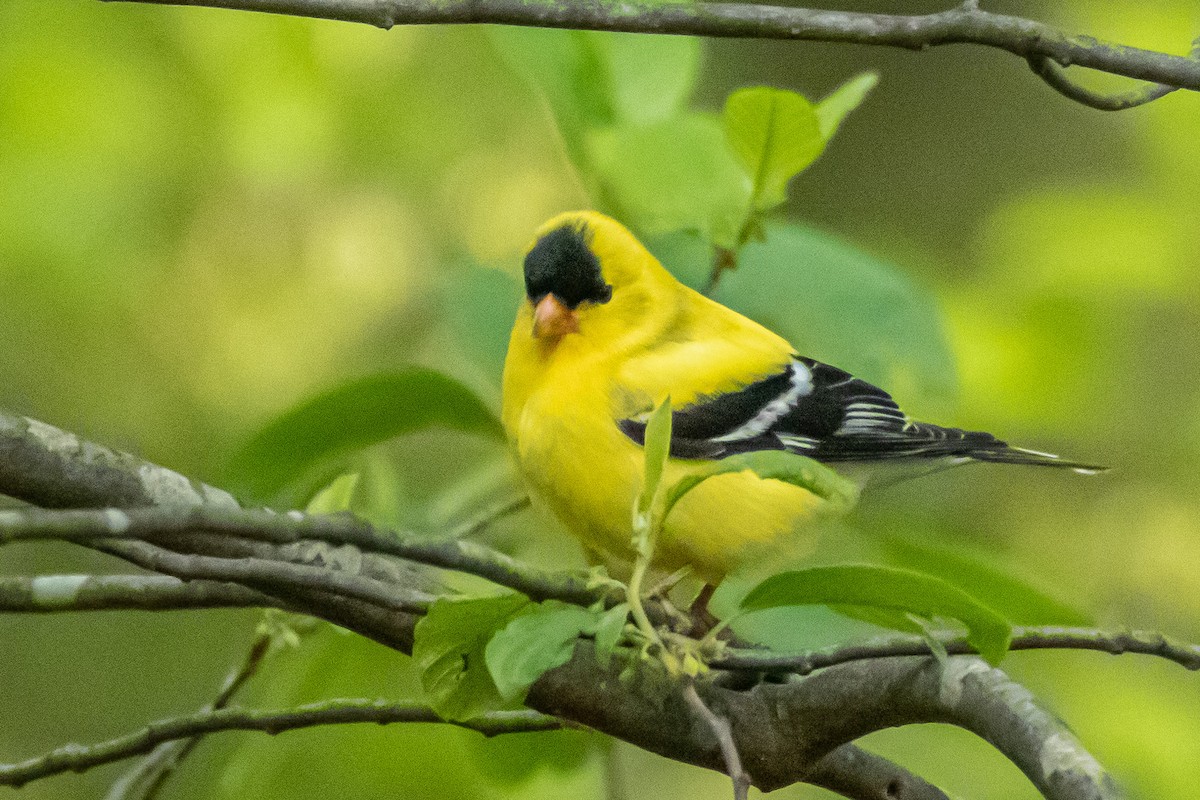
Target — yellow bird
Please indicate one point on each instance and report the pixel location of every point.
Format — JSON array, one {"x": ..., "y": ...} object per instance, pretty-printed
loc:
[{"x": 605, "y": 333}]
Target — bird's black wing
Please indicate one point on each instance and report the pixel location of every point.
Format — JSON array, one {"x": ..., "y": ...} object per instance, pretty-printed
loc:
[{"x": 818, "y": 411}]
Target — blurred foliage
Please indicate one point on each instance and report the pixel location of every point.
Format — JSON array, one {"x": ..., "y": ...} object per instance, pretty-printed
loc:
[
  {"x": 208, "y": 217},
  {"x": 348, "y": 419}
]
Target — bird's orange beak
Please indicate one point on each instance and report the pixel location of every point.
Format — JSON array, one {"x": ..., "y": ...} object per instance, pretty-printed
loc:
[{"x": 552, "y": 319}]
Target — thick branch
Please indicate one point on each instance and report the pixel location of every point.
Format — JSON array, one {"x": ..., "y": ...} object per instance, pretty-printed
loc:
[
  {"x": 159, "y": 524},
  {"x": 853, "y": 772},
  {"x": 56, "y": 593},
  {"x": 77, "y": 758},
  {"x": 52, "y": 468},
  {"x": 966, "y": 24},
  {"x": 785, "y": 733},
  {"x": 273, "y": 575}
]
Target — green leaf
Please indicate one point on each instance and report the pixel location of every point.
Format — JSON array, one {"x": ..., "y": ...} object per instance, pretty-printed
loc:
[
  {"x": 775, "y": 134},
  {"x": 593, "y": 79},
  {"x": 1018, "y": 600},
  {"x": 512, "y": 761},
  {"x": 777, "y": 465},
  {"x": 888, "y": 589},
  {"x": 534, "y": 643},
  {"x": 904, "y": 621},
  {"x": 839, "y": 304},
  {"x": 353, "y": 416},
  {"x": 608, "y": 632},
  {"x": 656, "y": 450},
  {"x": 380, "y": 497},
  {"x": 649, "y": 77},
  {"x": 564, "y": 68},
  {"x": 478, "y": 308},
  {"x": 449, "y": 646},
  {"x": 675, "y": 174},
  {"x": 842, "y": 100},
  {"x": 335, "y": 497}
]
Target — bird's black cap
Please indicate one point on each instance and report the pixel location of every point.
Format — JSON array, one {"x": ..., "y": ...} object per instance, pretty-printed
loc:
[{"x": 562, "y": 264}]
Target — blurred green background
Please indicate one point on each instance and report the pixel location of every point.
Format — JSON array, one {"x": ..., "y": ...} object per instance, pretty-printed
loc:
[{"x": 207, "y": 216}]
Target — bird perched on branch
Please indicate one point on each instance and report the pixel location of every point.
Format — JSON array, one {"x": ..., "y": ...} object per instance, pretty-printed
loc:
[{"x": 605, "y": 333}]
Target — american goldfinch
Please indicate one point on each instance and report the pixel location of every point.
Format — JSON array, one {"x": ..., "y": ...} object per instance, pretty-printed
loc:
[{"x": 605, "y": 333}]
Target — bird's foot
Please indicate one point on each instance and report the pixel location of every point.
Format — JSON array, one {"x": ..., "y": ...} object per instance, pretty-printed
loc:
[{"x": 703, "y": 621}]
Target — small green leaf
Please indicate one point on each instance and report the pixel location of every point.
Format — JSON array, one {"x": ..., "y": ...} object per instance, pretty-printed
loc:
[
  {"x": 534, "y": 643},
  {"x": 903, "y": 621},
  {"x": 887, "y": 589},
  {"x": 842, "y": 100},
  {"x": 1019, "y": 601},
  {"x": 608, "y": 632},
  {"x": 335, "y": 497},
  {"x": 512, "y": 761},
  {"x": 380, "y": 497},
  {"x": 777, "y": 465},
  {"x": 592, "y": 79},
  {"x": 675, "y": 174},
  {"x": 564, "y": 68},
  {"x": 936, "y": 648},
  {"x": 775, "y": 134},
  {"x": 353, "y": 416},
  {"x": 649, "y": 77},
  {"x": 656, "y": 450},
  {"x": 449, "y": 647}
]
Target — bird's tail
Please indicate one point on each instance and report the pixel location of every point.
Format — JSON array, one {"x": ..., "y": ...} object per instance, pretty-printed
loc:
[{"x": 1020, "y": 455}]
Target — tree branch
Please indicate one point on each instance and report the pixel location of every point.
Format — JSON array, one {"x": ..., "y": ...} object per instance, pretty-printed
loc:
[
  {"x": 57, "y": 593},
  {"x": 720, "y": 728},
  {"x": 163, "y": 524},
  {"x": 1043, "y": 638},
  {"x": 966, "y": 24},
  {"x": 853, "y": 772},
  {"x": 798, "y": 731},
  {"x": 151, "y": 773},
  {"x": 274, "y": 575},
  {"x": 1058, "y": 80},
  {"x": 984, "y": 700},
  {"x": 784, "y": 732},
  {"x": 78, "y": 758}
]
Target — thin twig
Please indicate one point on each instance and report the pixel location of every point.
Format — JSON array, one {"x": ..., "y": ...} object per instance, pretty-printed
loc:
[
  {"x": 483, "y": 520},
  {"x": 264, "y": 525},
  {"x": 965, "y": 23},
  {"x": 720, "y": 728},
  {"x": 144, "y": 781},
  {"x": 78, "y": 758},
  {"x": 987, "y": 702},
  {"x": 1029, "y": 638},
  {"x": 263, "y": 574},
  {"x": 1056, "y": 77}
]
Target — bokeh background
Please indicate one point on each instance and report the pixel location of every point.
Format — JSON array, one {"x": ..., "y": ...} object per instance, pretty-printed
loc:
[{"x": 207, "y": 216}]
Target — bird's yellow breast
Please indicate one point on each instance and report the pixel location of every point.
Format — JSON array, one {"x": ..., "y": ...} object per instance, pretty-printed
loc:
[{"x": 561, "y": 406}]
